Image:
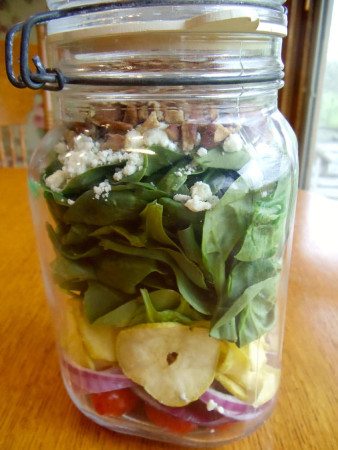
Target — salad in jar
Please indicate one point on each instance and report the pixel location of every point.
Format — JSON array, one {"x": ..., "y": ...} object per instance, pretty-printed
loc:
[{"x": 169, "y": 227}]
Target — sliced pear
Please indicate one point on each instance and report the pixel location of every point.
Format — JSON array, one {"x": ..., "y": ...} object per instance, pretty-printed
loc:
[{"x": 174, "y": 363}]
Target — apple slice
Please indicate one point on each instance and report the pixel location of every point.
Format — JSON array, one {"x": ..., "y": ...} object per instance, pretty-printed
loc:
[{"x": 174, "y": 363}]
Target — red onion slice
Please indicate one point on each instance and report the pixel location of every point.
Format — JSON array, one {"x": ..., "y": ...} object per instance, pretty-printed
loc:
[
  {"x": 195, "y": 412},
  {"x": 94, "y": 382},
  {"x": 230, "y": 406}
]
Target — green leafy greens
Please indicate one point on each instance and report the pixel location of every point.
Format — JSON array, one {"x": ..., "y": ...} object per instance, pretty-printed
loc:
[{"x": 138, "y": 255}]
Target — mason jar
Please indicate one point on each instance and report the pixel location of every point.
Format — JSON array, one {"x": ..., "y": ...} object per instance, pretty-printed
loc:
[{"x": 163, "y": 204}]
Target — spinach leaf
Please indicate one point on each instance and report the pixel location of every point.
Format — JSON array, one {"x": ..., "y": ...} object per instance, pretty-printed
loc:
[
  {"x": 163, "y": 299},
  {"x": 152, "y": 217},
  {"x": 190, "y": 246},
  {"x": 130, "y": 313},
  {"x": 258, "y": 317},
  {"x": 174, "y": 179},
  {"x": 134, "y": 239},
  {"x": 220, "y": 180},
  {"x": 52, "y": 167},
  {"x": 71, "y": 252},
  {"x": 195, "y": 296},
  {"x": 99, "y": 300},
  {"x": 246, "y": 274},
  {"x": 266, "y": 234},
  {"x": 77, "y": 234},
  {"x": 124, "y": 272},
  {"x": 87, "y": 180},
  {"x": 65, "y": 270},
  {"x": 118, "y": 207},
  {"x": 155, "y": 316},
  {"x": 177, "y": 216},
  {"x": 246, "y": 281},
  {"x": 161, "y": 157},
  {"x": 218, "y": 159},
  {"x": 224, "y": 226}
]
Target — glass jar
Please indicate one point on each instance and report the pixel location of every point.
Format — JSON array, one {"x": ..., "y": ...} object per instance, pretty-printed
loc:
[{"x": 164, "y": 207}]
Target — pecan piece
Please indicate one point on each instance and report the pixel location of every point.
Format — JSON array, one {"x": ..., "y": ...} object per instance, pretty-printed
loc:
[
  {"x": 114, "y": 142},
  {"x": 119, "y": 127},
  {"x": 174, "y": 116},
  {"x": 221, "y": 133},
  {"x": 105, "y": 117},
  {"x": 151, "y": 122},
  {"x": 69, "y": 138},
  {"x": 207, "y": 136},
  {"x": 130, "y": 115},
  {"x": 155, "y": 106},
  {"x": 143, "y": 113},
  {"x": 189, "y": 136},
  {"x": 173, "y": 132}
]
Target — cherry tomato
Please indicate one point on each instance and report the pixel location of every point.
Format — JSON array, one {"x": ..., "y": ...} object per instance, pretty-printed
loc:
[
  {"x": 114, "y": 403},
  {"x": 165, "y": 420}
]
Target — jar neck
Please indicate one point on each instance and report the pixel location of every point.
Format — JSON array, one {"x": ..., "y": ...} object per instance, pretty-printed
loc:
[{"x": 76, "y": 103}]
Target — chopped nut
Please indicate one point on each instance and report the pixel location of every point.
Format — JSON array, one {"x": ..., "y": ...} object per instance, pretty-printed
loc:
[
  {"x": 105, "y": 117},
  {"x": 173, "y": 132},
  {"x": 69, "y": 138},
  {"x": 143, "y": 113},
  {"x": 130, "y": 115},
  {"x": 207, "y": 136},
  {"x": 174, "y": 116},
  {"x": 114, "y": 142},
  {"x": 83, "y": 128},
  {"x": 213, "y": 113},
  {"x": 189, "y": 136},
  {"x": 119, "y": 127},
  {"x": 151, "y": 122},
  {"x": 221, "y": 133},
  {"x": 155, "y": 106}
]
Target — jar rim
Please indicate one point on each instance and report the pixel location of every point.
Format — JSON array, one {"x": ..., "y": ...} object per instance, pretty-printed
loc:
[
  {"x": 66, "y": 4},
  {"x": 112, "y": 18}
]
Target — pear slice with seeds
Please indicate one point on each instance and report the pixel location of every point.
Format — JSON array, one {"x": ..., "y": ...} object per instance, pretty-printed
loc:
[{"x": 174, "y": 363}]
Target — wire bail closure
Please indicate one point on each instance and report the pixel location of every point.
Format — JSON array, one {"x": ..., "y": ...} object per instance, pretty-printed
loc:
[{"x": 52, "y": 79}]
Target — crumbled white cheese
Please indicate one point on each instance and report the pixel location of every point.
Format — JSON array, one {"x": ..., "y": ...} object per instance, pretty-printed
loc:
[
  {"x": 134, "y": 140},
  {"x": 220, "y": 409},
  {"x": 201, "y": 190},
  {"x": 201, "y": 198},
  {"x": 157, "y": 136},
  {"x": 211, "y": 405},
  {"x": 70, "y": 202},
  {"x": 102, "y": 190},
  {"x": 181, "y": 198},
  {"x": 233, "y": 143},
  {"x": 189, "y": 169},
  {"x": 196, "y": 205},
  {"x": 56, "y": 180},
  {"x": 134, "y": 163},
  {"x": 86, "y": 155},
  {"x": 202, "y": 152}
]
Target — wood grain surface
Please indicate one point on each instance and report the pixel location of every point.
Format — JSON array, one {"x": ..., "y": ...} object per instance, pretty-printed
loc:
[{"x": 35, "y": 412}]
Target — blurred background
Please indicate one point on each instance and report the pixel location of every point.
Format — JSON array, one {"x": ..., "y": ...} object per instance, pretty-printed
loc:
[{"x": 309, "y": 99}]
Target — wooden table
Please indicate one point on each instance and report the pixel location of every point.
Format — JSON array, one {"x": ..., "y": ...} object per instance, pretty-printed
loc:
[{"x": 35, "y": 412}]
